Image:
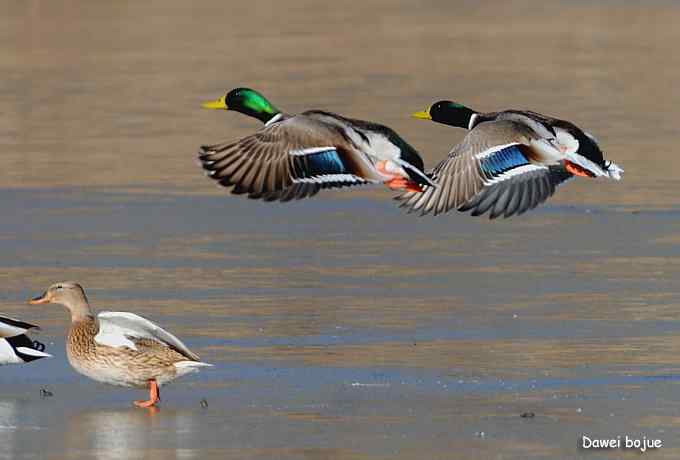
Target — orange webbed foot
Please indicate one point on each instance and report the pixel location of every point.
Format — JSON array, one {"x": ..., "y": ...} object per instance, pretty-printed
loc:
[
  {"x": 154, "y": 396},
  {"x": 577, "y": 170},
  {"x": 401, "y": 183}
]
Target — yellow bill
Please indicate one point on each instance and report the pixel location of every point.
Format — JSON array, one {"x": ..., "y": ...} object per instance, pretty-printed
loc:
[
  {"x": 423, "y": 114},
  {"x": 221, "y": 103}
]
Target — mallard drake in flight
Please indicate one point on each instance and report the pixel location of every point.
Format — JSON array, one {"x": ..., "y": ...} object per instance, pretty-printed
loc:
[
  {"x": 120, "y": 348},
  {"x": 295, "y": 156},
  {"x": 15, "y": 346},
  {"x": 508, "y": 163}
]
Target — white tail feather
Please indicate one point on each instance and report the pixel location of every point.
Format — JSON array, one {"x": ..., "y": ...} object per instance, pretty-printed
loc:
[
  {"x": 614, "y": 171},
  {"x": 189, "y": 367}
]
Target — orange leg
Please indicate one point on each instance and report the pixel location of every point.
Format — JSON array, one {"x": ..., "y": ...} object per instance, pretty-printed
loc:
[
  {"x": 401, "y": 183},
  {"x": 154, "y": 395}
]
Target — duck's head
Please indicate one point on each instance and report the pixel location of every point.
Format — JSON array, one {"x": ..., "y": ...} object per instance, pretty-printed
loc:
[
  {"x": 69, "y": 294},
  {"x": 449, "y": 113},
  {"x": 247, "y": 101}
]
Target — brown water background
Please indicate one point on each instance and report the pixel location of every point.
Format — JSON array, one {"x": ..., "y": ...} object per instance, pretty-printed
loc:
[{"x": 341, "y": 327}]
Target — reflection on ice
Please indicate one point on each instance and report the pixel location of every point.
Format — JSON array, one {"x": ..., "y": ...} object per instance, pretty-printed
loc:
[{"x": 131, "y": 433}]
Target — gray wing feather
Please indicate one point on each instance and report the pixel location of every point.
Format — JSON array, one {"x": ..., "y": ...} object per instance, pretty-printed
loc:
[
  {"x": 262, "y": 165},
  {"x": 518, "y": 194}
]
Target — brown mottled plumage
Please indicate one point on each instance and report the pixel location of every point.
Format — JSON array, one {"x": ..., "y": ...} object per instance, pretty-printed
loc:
[
  {"x": 120, "y": 348},
  {"x": 151, "y": 360}
]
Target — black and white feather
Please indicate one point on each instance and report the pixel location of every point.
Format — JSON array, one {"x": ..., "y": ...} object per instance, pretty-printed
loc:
[
  {"x": 15, "y": 346},
  {"x": 560, "y": 140}
]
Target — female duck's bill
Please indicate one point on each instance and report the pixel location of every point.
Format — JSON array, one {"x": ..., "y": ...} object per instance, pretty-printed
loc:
[
  {"x": 295, "y": 156},
  {"x": 120, "y": 348},
  {"x": 39, "y": 299}
]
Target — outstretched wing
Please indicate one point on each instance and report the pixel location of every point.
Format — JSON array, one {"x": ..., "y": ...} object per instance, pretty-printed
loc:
[
  {"x": 492, "y": 171},
  {"x": 517, "y": 194},
  {"x": 120, "y": 329},
  {"x": 297, "y": 152}
]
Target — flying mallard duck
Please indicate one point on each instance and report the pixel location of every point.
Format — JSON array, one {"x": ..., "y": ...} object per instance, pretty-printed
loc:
[
  {"x": 120, "y": 348},
  {"x": 15, "y": 346},
  {"x": 508, "y": 163},
  {"x": 295, "y": 156}
]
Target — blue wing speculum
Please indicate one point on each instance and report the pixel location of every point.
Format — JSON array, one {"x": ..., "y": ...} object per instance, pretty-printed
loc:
[
  {"x": 323, "y": 165},
  {"x": 497, "y": 162}
]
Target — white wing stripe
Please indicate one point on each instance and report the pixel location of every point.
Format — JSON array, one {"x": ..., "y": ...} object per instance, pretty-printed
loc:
[
  {"x": 330, "y": 178},
  {"x": 513, "y": 172},
  {"x": 309, "y": 151}
]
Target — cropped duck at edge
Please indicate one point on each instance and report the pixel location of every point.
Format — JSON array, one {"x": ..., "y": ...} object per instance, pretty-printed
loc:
[
  {"x": 508, "y": 163},
  {"x": 15, "y": 346},
  {"x": 295, "y": 156}
]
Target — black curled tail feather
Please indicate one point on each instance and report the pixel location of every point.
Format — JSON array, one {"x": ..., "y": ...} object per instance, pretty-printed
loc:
[{"x": 417, "y": 175}]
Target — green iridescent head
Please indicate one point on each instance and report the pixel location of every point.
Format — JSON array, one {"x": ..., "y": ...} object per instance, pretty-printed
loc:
[
  {"x": 247, "y": 101},
  {"x": 448, "y": 113}
]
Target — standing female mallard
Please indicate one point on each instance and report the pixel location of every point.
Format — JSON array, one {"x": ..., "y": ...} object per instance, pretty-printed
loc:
[
  {"x": 294, "y": 156},
  {"x": 120, "y": 348},
  {"x": 508, "y": 163},
  {"x": 15, "y": 346}
]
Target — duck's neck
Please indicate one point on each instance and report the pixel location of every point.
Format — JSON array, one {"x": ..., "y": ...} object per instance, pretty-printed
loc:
[
  {"x": 80, "y": 341},
  {"x": 80, "y": 311},
  {"x": 457, "y": 115},
  {"x": 257, "y": 106},
  {"x": 87, "y": 326},
  {"x": 265, "y": 117}
]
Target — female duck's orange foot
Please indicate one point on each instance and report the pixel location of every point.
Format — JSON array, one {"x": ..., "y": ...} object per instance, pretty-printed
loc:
[
  {"x": 149, "y": 403},
  {"x": 154, "y": 396},
  {"x": 401, "y": 183}
]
